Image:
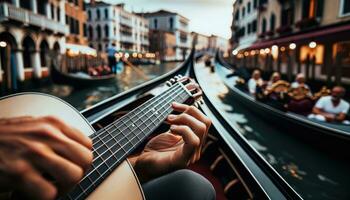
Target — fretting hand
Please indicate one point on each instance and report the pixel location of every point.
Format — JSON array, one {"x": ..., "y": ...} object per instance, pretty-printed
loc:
[{"x": 177, "y": 148}]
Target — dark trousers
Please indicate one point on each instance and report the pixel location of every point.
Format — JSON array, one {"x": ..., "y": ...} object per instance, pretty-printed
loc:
[
  {"x": 112, "y": 63},
  {"x": 179, "y": 185}
]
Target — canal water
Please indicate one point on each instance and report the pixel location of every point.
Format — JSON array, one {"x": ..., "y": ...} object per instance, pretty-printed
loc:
[
  {"x": 86, "y": 97},
  {"x": 313, "y": 173}
]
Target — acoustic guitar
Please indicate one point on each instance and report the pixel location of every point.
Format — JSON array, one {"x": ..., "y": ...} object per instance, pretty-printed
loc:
[{"x": 111, "y": 176}]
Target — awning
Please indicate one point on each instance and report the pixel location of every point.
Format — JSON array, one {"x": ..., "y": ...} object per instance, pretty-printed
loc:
[
  {"x": 309, "y": 36},
  {"x": 243, "y": 46},
  {"x": 76, "y": 49}
]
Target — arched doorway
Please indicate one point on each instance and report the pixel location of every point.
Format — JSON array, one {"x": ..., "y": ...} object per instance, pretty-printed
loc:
[
  {"x": 8, "y": 68},
  {"x": 56, "y": 55},
  {"x": 44, "y": 53},
  {"x": 28, "y": 52}
]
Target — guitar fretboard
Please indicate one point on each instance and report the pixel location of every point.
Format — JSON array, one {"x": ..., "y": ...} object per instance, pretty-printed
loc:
[{"x": 112, "y": 144}]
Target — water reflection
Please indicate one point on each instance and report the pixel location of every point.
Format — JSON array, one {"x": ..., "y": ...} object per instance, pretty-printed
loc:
[
  {"x": 86, "y": 97},
  {"x": 311, "y": 172}
]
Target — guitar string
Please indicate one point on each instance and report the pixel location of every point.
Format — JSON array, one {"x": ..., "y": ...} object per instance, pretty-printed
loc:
[
  {"x": 120, "y": 132},
  {"x": 118, "y": 160},
  {"x": 103, "y": 130},
  {"x": 162, "y": 102},
  {"x": 117, "y": 128}
]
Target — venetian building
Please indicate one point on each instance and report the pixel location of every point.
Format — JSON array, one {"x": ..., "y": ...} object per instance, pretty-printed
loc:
[
  {"x": 32, "y": 34},
  {"x": 302, "y": 36},
  {"x": 112, "y": 24}
]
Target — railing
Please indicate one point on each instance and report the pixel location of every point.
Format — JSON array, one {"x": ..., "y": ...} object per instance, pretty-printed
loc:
[
  {"x": 8, "y": 11},
  {"x": 124, "y": 38}
]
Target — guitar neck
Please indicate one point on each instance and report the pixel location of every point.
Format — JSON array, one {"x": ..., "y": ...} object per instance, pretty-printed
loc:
[{"x": 112, "y": 144}]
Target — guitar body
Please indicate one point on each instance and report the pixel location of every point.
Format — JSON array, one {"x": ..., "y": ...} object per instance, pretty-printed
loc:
[{"x": 122, "y": 183}]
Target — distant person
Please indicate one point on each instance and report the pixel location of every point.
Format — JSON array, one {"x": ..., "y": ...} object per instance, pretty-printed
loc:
[
  {"x": 274, "y": 78},
  {"x": 331, "y": 108},
  {"x": 112, "y": 62},
  {"x": 254, "y": 82},
  {"x": 299, "y": 81}
]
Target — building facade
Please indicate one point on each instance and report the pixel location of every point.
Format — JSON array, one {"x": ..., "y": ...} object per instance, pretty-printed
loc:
[
  {"x": 176, "y": 24},
  {"x": 111, "y": 24},
  {"x": 220, "y": 43},
  {"x": 76, "y": 20},
  {"x": 32, "y": 33},
  {"x": 307, "y": 36},
  {"x": 202, "y": 41},
  {"x": 244, "y": 24}
]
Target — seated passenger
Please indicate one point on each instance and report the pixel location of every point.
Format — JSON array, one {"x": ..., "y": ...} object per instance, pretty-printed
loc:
[
  {"x": 300, "y": 81},
  {"x": 273, "y": 79},
  {"x": 254, "y": 82},
  {"x": 331, "y": 108}
]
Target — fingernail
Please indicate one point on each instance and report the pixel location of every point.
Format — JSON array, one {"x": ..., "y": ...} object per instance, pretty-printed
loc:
[
  {"x": 175, "y": 104},
  {"x": 171, "y": 117}
]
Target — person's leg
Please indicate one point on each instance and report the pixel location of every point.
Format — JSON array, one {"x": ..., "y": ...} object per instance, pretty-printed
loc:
[{"x": 178, "y": 185}]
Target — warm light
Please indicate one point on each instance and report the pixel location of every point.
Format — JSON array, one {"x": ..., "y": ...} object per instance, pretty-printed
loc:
[
  {"x": 234, "y": 52},
  {"x": 252, "y": 52},
  {"x": 246, "y": 53},
  {"x": 140, "y": 55},
  {"x": 134, "y": 55},
  {"x": 283, "y": 48},
  {"x": 126, "y": 55},
  {"x": 274, "y": 48},
  {"x": 312, "y": 44},
  {"x": 267, "y": 50},
  {"x": 292, "y": 46},
  {"x": 262, "y": 51},
  {"x": 3, "y": 44}
]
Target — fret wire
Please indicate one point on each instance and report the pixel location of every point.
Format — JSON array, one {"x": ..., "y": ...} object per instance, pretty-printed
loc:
[
  {"x": 153, "y": 122},
  {"x": 121, "y": 119},
  {"x": 123, "y": 137},
  {"x": 126, "y": 152},
  {"x": 147, "y": 103},
  {"x": 121, "y": 131},
  {"x": 119, "y": 158}
]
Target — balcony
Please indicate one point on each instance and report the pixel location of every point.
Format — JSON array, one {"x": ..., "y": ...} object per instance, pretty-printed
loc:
[
  {"x": 10, "y": 12},
  {"x": 284, "y": 29},
  {"x": 307, "y": 23},
  {"x": 126, "y": 39}
]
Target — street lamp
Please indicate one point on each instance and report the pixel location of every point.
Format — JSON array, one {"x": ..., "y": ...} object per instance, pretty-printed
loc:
[
  {"x": 267, "y": 50},
  {"x": 292, "y": 46},
  {"x": 234, "y": 52},
  {"x": 3, "y": 44},
  {"x": 312, "y": 45}
]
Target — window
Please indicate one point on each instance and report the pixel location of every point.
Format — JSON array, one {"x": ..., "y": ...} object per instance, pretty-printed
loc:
[
  {"x": 263, "y": 26},
  {"x": 243, "y": 11},
  {"x": 344, "y": 7},
  {"x": 249, "y": 28},
  {"x": 25, "y": 4},
  {"x": 248, "y": 7},
  {"x": 312, "y": 8},
  {"x": 41, "y": 5},
  {"x": 85, "y": 30},
  {"x": 106, "y": 13},
  {"x": 254, "y": 26},
  {"x": 255, "y": 4},
  {"x": 272, "y": 22},
  {"x": 98, "y": 14},
  {"x": 91, "y": 32},
  {"x": 52, "y": 11},
  {"x": 89, "y": 15},
  {"x": 171, "y": 23},
  {"x": 100, "y": 47},
  {"x": 58, "y": 14},
  {"x": 98, "y": 30},
  {"x": 155, "y": 24},
  {"x": 237, "y": 15},
  {"x": 106, "y": 31},
  {"x": 115, "y": 31}
]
